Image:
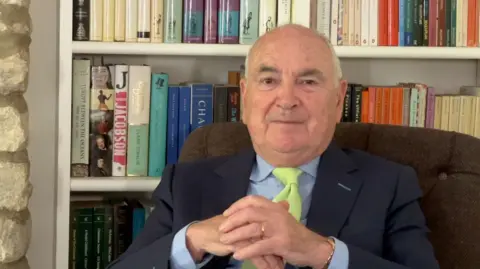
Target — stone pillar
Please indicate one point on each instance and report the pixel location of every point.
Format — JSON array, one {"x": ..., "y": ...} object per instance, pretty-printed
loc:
[{"x": 15, "y": 187}]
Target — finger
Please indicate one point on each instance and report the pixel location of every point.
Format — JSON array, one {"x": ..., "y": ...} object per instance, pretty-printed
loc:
[
  {"x": 259, "y": 248},
  {"x": 284, "y": 204},
  {"x": 251, "y": 200},
  {"x": 274, "y": 262},
  {"x": 242, "y": 233},
  {"x": 260, "y": 263},
  {"x": 242, "y": 217}
]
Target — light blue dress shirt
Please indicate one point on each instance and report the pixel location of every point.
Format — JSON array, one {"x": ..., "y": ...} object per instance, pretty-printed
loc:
[{"x": 263, "y": 183}]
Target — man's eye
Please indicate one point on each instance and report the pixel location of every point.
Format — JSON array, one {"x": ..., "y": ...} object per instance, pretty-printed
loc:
[
  {"x": 267, "y": 81},
  {"x": 309, "y": 82}
]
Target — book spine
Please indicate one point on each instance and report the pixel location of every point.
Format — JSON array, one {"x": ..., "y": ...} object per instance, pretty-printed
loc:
[
  {"x": 143, "y": 21},
  {"x": 158, "y": 125},
  {"x": 80, "y": 118},
  {"x": 107, "y": 240},
  {"x": 401, "y": 22},
  {"x": 373, "y": 23},
  {"x": 108, "y": 20},
  {"x": 249, "y": 21},
  {"x": 138, "y": 120},
  {"x": 228, "y": 26},
  {"x": 284, "y": 12},
  {"x": 172, "y": 124},
  {"x": 173, "y": 21},
  {"x": 267, "y": 16},
  {"x": 358, "y": 22},
  {"x": 193, "y": 21},
  {"x": 233, "y": 104},
  {"x": 201, "y": 106},
  {"x": 185, "y": 99},
  {"x": 157, "y": 21},
  {"x": 364, "y": 34},
  {"x": 430, "y": 115},
  {"x": 345, "y": 23},
  {"x": 453, "y": 23},
  {"x": 96, "y": 20},
  {"x": 81, "y": 20},
  {"x": 323, "y": 17},
  {"x": 406, "y": 107},
  {"x": 426, "y": 22},
  {"x": 220, "y": 104},
  {"x": 101, "y": 119},
  {"x": 98, "y": 236},
  {"x": 120, "y": 123},
  {"x": 121, "y": 229},
  {"x": 211, "y": 19},
  {"x": 459, "y": 24},
  {"x": 131, "y": 20},
  {"x": 138, "y": 221},
  {"x": 85, "y": 238},
  {"x": 73, "y": 244},
  {"x": 120, "y": 16},
  {"x": 351, "y": 22}
]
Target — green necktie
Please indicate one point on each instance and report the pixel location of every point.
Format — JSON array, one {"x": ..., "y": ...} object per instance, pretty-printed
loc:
[{"x": 289, "y": 178}]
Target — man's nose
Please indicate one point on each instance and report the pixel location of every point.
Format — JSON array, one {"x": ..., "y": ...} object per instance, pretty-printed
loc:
[{"x": 286, "y": 98}]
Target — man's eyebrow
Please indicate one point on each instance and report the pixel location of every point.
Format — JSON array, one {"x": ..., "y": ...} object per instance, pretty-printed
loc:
[
  {"x": 311, "y": 72},
  {"x": 267, "y": 69}
]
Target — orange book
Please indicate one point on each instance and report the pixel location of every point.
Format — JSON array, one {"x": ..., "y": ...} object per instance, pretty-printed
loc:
[
  {"x": 392, "y": 22},
  {"x": 371, "y": 104},
  {"x": 472, "y": 24},
  {"x": 382, "y": 23},
  {"x": 378, "y": 105},
  {"x": 364, "y": 110},
  {"x": 385, "y": 106}
]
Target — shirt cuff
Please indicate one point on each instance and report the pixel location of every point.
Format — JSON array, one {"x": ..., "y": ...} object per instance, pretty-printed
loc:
[
  {"x": 340, "y": 256},
  {"x": 180, "y": 257}
]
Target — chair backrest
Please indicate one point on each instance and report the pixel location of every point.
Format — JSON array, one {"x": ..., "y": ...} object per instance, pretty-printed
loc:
[{"x": 447, "y": 165}]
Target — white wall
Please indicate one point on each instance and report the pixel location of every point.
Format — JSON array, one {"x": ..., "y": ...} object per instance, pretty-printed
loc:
[{"x": 41, "y": 98}]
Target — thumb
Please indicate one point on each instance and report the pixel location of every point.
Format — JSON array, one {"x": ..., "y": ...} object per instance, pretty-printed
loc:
[{"x": 284, "y": 204}]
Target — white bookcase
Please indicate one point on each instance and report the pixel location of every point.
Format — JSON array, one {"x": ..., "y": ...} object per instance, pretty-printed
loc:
[{"x": 445, "y": 68}]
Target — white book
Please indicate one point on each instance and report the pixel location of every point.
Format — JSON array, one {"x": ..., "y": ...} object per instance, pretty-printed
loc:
[
  {"x": 464, "y": 24},
  {"x": 358, "y": 22},
  {"x": 351, "y": 23},
  {"x": 284, "y": 12},
  {"x": 120, "y": 13},
  {"x": 340, "y": 23},
  {"x": 345, "y": 23},
  {"x": 120, "y": 121},
  {"x": 323, "y": 17},
  {"x": 334, "y": 22},
  {"x": 108, "y": 20},
  {"x": 364, "y": 25},
  {"x": 143, "y": 21},
  {"x": 96, "y": 20},
  {"x": 131, "y": 21},
  {"x": 267, "y": 17},
  {"x": 156, "y": 18},
  {"x": 139, "y": 94},
  {"x": 80, "y": 117},
  {"x": 373, "y": 23}
]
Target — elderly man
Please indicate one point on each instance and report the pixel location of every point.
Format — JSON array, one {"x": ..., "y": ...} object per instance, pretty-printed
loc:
[{"x": 297, "y": 200}]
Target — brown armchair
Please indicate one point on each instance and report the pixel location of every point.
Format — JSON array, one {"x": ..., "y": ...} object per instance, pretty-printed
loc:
[{"x": 447, "y": 164}]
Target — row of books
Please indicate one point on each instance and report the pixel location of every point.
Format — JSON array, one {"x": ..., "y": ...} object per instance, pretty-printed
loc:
[
  {"x": 414, "y": 105},
  {"x": 178, "y": 21},
  {"x": 101, "y": 231},
  {"x": 433, "y": 23},
  {"x": 128, "y": 120}
]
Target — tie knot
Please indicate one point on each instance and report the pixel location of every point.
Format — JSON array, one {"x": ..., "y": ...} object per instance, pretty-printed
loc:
[{"x": 287, "y": 175}]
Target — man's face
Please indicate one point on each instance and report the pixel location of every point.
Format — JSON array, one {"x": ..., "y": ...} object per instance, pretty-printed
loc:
[
  {"x": 100, "y": 143},
  {"x": 290, "y": 102}
]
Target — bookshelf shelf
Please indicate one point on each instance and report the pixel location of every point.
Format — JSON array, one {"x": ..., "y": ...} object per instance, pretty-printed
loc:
[
  {"x": 114, "y": 184},
  {"x": 377, "y": 52},
  {"x": 159, "y": 49}
]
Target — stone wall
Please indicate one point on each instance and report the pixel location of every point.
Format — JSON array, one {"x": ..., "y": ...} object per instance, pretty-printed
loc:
[{"x": 15, "y": 187}]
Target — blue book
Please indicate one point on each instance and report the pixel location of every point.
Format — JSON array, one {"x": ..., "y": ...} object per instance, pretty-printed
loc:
[
  {"x": 138, "y": 221},
  {"x": 202, "y": 105},
  {"x": 172, "y": 125},
  {"x": 183, "y": 115},
  {"x": 158, "y": 125}
]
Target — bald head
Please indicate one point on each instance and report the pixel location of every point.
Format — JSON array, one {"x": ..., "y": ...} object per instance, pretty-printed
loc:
[{"x": 297, "y": 33}]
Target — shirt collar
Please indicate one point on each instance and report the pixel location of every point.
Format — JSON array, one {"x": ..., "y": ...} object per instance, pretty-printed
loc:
[{"x": 263, "y": 169}]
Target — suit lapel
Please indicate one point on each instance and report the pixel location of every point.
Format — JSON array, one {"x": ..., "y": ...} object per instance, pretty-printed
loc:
[
  {"x": 334, "y": 193},
  {"x": 229, "y": 183}
]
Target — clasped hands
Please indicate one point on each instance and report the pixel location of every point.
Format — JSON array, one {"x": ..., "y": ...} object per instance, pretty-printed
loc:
[{"x": 264, "y": 232}]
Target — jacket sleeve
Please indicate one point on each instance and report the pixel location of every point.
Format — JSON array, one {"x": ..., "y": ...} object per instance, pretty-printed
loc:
[
  {"x": 152, "y": 247},
  {"x": 406, "y": 244}
]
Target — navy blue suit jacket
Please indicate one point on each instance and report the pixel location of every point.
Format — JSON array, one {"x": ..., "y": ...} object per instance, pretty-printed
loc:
[{"x": 369, "y": 203}]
